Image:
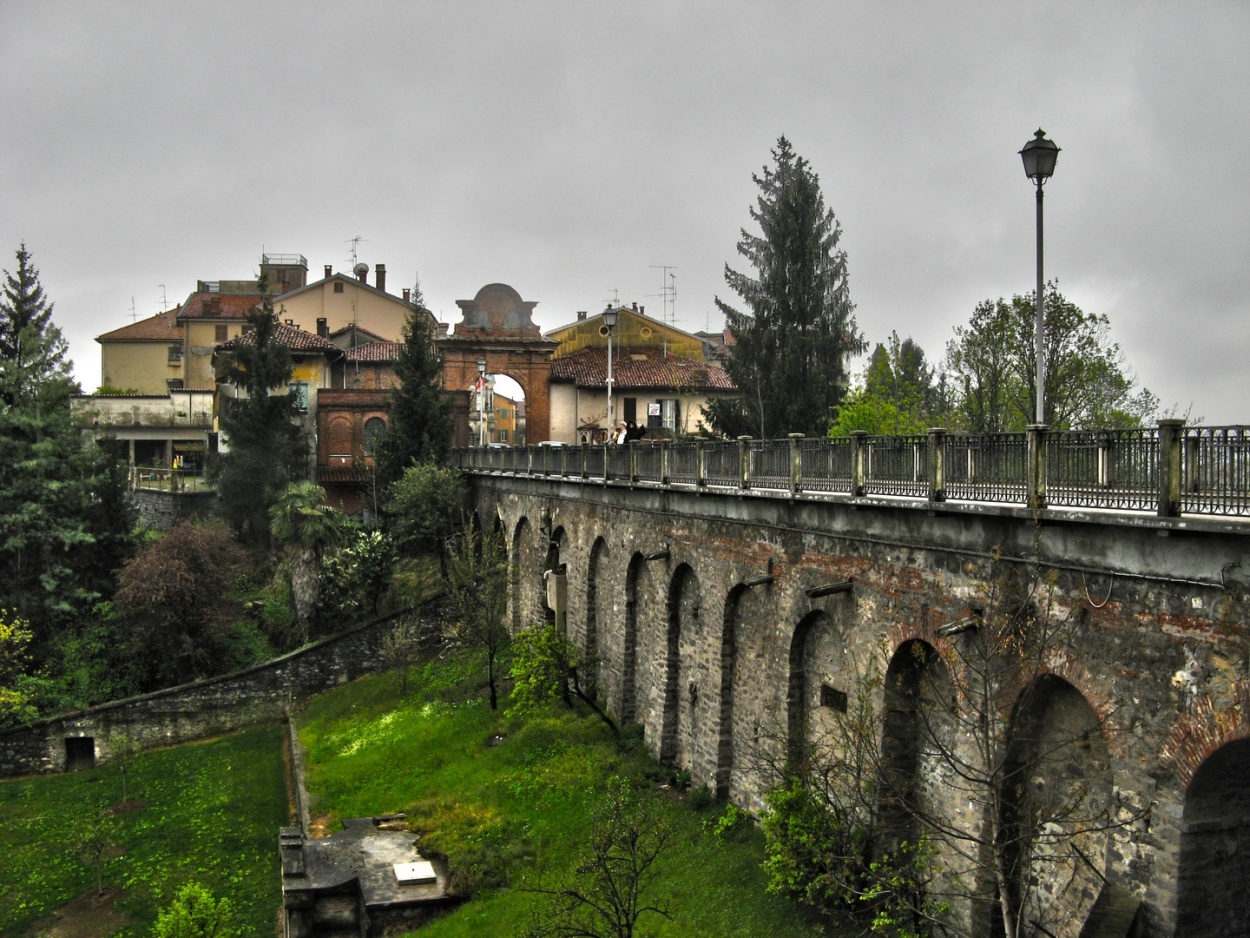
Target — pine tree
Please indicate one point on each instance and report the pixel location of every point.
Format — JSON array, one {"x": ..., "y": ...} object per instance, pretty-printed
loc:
[
  {"x": 34, "y": 363},
  {"x": 798, "y": 328},
  {"x": 419, "y": 429},
  {"x": 266, "y": 448},
  {"x": 64, "y": 522}
]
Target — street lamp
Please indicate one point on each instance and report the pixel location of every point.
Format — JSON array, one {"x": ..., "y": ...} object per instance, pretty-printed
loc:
[
  {"x": 481, "y": 402},
  {"x": 609, "y": 322},
  {"x": 1039, "y": 156}
]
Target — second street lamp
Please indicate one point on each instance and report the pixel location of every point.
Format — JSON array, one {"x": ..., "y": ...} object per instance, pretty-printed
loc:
[
  {"x": 481, "y": 402},
  {"x": 609, "y": 323},
  {"x": 1039, "y": 156}
]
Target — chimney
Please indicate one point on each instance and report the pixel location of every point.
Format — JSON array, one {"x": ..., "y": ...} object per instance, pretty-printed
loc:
[
  {"x": 635, "y": 306},
  {"x": 642, "y": 311},
  {"x": 407, "y": 295},
  {"x": 323, "y": 328},
  {"x": 329, "y": 271},
  {"x": 380, "y": 276},
  {"x": 581, "y": 315}
]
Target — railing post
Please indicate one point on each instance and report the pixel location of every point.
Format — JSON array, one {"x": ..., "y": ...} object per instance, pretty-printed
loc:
[
  {"x": 796, "y": 463},
  {"x": 744, "y": 463},
  {"x": 700, "y": 465},
  {"x": 1170, "y": 468},
  {"x": 1036, "y": 495},
  {"x": 937, "y": 464},
  {"x": 633, "y": 461},
  {"x": 859, "y": 462},
  {"x": 663, "y": 462},
  {"x": 584, "y": 452}
]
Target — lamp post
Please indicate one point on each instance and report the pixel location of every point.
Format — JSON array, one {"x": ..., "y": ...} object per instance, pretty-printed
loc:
[
  {"x": 609, "y": 322},
  {"x": 1039, "y": 156},
  {"x": 481, "y": 402}
]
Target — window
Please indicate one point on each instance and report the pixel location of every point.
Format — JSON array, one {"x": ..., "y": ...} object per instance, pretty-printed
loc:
[
  {"x": 503, "y": 413},
  {"x": 629, "y": 410},
  {"x": 503, "y": 436},
  {"x": 221, "y": 332},
  {"x": 299, "y": 396},
  {"x": 662, "y": 414},
  {"x": 832, "y": 698},
  {"x": 175, "y": 354},
  {"x": 338, "y": 286},
  {"x": 375, "y": 429}
]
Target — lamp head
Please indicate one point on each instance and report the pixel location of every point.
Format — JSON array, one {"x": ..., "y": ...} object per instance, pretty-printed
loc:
[
  {"x": 609, "y": 317},
  {"x": 481, "y": 366},
  {"x": 1039, "y": 156}
]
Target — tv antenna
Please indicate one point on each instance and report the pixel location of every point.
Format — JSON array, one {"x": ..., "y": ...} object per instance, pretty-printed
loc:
[
  {"x": 134, "y": 315},
  {"x": 164, "y": 299},
  {"x": 616, "y": 298},
  {"x": 668, "y": 292},
  {"x": 355, "y": 242}
]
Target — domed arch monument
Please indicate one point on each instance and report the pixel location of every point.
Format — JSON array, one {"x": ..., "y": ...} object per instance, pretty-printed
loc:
[{"x": 498, "y": 327}]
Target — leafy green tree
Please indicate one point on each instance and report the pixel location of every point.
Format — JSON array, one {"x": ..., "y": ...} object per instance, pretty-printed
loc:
[
  {"x": 95, "y": 833},
  {"x": 897, "y": 396},
  {"x": 266, "y": 448},
  {"x": 992, "y": 366},
  {"x": 64, "y": 522},
  {"x": 606, "y": 894},
  {"x": 356, "y": 573},
  {"x": 419, "y": 427},
  {"x": 176, "y": 598},
  {"x": 477, "y": 590},
  {"x": 195, "y": 913},
  {"x": 798, "y": 326},
  {"x": 424, "y": 508},
  {"x": 15, "y": 637},
  {"x": 547, "y": 667},
  {"x": 302, "y": 522}
]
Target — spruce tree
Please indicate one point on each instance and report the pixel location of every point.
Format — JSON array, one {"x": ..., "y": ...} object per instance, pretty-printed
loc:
[
  {"x": 64, "y": 521},
  {"x": 265, "y": 449},
  {"x": 797, "y": 329},
  {"x": 419, "y": 429}
]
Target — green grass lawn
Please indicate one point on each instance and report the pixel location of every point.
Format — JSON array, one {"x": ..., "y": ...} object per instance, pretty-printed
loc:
[
  {"x": 207, "y": 812},
  {"x": 517, "y": 813}
]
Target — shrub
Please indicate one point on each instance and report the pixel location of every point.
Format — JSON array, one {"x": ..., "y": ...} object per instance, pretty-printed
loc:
[{"x": 195, "y": 913}]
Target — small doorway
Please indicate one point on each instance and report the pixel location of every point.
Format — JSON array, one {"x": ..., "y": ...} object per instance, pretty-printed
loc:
[{"x": 79, "y": 753}]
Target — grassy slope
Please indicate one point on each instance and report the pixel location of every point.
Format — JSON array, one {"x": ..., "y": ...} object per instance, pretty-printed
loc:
[
  {"x": 516, "y": 813},
  {"x": 211, "y": 814}
]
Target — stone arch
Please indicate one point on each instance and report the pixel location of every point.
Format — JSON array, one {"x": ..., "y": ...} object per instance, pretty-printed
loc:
[
  {"x": 1057, "y": 776},
  {"x": 1214, "y": 867},
  {"x": 629, "y": 641},
  {"x": 725, "y": 753},
  {"x": 678, "y": 703},
  {"x": 811, "y": 654},
  {"x": 525, "y": 573},
  {"x": 599, "y": 558},
  {"x": 916, "y": 698}
]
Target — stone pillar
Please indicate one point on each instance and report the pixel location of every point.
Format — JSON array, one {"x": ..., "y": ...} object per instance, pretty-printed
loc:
[
  {"x": 700, "y": 465},
  {"x": 796, "y": 463},
  {"x": 663, "y": 444},
  {"x": 1171, "y": 433},
  {"x": 1036, "y": 471},
  {"x": 937, "y": 464},
  {"x": 744, "y": 462},
  {"x": 859, "y": 462}
]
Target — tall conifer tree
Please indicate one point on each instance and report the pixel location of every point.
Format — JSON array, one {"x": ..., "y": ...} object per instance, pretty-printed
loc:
[
  {"x": 265, "y": 448},
  {"x": 798, "y": 326},
  {"x": 420, "y": 427}
]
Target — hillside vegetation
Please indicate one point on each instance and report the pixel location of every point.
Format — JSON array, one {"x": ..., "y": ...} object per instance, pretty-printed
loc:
[{"x": 508, "y": 800}]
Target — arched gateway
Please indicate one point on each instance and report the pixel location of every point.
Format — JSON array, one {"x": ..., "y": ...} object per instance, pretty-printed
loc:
[{"x": 498, "y": 328}]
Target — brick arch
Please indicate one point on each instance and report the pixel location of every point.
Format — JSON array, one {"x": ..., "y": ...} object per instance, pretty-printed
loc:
[
  {"x": 1204, "y": 728},
  {"x": 680, "y": 693},
  {"x": 813, "y": 631}
]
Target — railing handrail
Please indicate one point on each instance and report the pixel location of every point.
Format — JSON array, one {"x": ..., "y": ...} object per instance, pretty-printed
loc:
[{"x": 1167, "y": 470}]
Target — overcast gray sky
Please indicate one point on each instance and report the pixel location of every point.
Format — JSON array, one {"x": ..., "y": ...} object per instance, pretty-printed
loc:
[{"x": 568, "y": 148}]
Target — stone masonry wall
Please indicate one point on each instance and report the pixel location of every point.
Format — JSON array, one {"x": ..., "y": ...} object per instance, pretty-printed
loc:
[
  {"x": 1154, "y": 641},
  {"x": 204, "y": 708}
]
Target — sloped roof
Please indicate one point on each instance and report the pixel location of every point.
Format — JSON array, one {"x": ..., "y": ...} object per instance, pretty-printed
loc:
[
  {"x": 159, "y": 328},
  {"x": 297, "y": 340},
  {"x": 374, "y": 352},
  {"x": 219, "y": 305},
  {"x": 638, "y": 368}
]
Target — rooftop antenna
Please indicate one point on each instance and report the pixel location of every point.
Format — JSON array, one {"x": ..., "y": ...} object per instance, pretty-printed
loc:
[
  {"x": 133, "y": 314},
  {"x": 164, "y": 299},
  {"x": 355, "y": 242},
  {"x": 668, "y": 292},
  {"x": 616, "y": 298}
]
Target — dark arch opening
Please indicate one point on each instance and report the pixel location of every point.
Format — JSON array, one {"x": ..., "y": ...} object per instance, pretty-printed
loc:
[
  {"x": 728, "y": 669},
  {"x": 1214, "y": 868},
  {"x": 590, "y": 646},
  {"x": 520, "y": 537},
  {"x": 629, "y": 655},
  {"x": 797, "y": 691},
  {"x": 682, "y": 607},
  {"x": 909, "y": 703}
]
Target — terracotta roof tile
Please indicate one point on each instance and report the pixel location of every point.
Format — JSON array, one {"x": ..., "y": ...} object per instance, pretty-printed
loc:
[
  {"x": 374, "y": 352},
  {"x": 638, "y": 368},
  {"x": 159, "y": 328},
  {"x": 297, "y": 340},
  {"x": 219, "y": 305}
]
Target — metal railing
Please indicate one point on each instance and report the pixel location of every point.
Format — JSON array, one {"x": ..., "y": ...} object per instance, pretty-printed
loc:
[
  {"x": 168, "y": 480},
  {"x": 1166, "y": 470}
]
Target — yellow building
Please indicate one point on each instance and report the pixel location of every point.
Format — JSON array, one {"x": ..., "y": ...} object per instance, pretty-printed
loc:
[
  {"x": 145, "y": 357},
  {"x": 348, "y": 308}
]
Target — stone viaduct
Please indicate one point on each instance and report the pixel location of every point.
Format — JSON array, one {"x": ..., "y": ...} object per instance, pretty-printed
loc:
[{"x": 729, "y": 622}]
